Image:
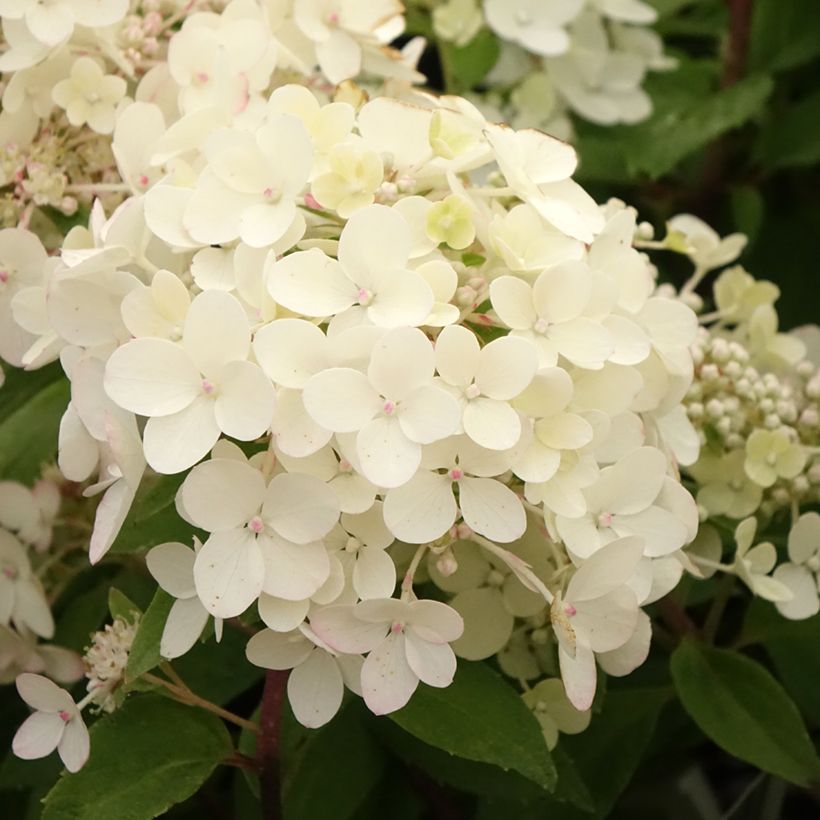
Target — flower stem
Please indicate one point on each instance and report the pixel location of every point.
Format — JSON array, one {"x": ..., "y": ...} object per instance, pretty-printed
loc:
[
  {"x": 267, "y": 743},
  {"x": 190, "y": 698}
]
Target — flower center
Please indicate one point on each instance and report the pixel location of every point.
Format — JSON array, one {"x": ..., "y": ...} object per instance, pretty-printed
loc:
[
  {"x": 540, "y": 326},
  {"x": 4, "y": 276},
  {"x": 9, "y": 572},
  {"x": 208, "y": 387},
  {"x": 569, "y": 610},
  {"x": 64, "y": 715},
  {"x": 456, "y": 474},
  {"x": 605, "y": 520},
  {"x": 495, "y": 578},
  {"x": 472, "y": 392},
  {"x": 272, "y": 194},
  {"x": 389, "y": 408},
  {"x": 365, "y": 297},
  {"x": 256, "y": 524},
  {"x": 353, "y": 545},
  {"x": 201, "y": 77},
  {"x": 397, "y": 627}
]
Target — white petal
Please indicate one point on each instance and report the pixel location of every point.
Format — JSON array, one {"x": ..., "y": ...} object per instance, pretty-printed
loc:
[
  {"x": 280, "y": 615},
  {"x": 290, "y": 351},
  {"x": 172, "y": 566},
  {"x": 311, "y": 283},
  {"x": 627, "y": 658},
  {"x": 229, "y": 572},
  {"x": 42, "y": 694},
  {"x": 152, "y": 377},
  {"x": 293, "y": 571},
  {"x": 296, "y": 433},
  {"x": 607, "y": 622},
  {"x": 245, "y": 402},
  {"x": 457, "y": 355},
  {"x": 222, "y": 494},
  {"x": 803, "y": 586},
  {"x": 301, "y": 508},
  {"x": 403, "y": 299},
  {"x": 421, "y": 510},
  {"x": 374, "y": 574},
  {"x": 434, "y": 664},
  {"x": 492, "y": 424},
  {"x": 492, "y": 509},
  {"x": 341, "y": 399},
  {"x": 661, "y": 531},
  {"x": 388, "y": 682},
  {"x": 610, "y": 567},
  {"x": 505, "y": 367},
  {"x": 315, "y": 689},
  {"x": 579, "y": 675},
  {"x": 175, "y": 443},
  {"x": 185, "y": 623},
  {"x": 216, "y": 332},
  {"x": 429, "y": 414},
  {"x": 278, "y": 650},
  {"x": 340, "y": 629},
  {"x": 402, "y": 360},
  {"x": 38, "y": 736},
  {"x": 388, "y": 458},
  {"x": 512, "y": 299}
]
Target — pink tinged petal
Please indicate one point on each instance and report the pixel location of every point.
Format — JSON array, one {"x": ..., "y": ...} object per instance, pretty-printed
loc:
[
  {"x": 175, "y": 443},
  {"x": 803, "y": 586},
  {"x": 290, "y": 351},
  {"x": 402, "y": 360},
  {"x": 506, "y": 366},
  {"x": 222, "y": 494},
  {"x": 152, "y": 377},
  {"x": 311, "y": 283},
  {"x": 296, "y": 433},
  {"x": 342, "y": 630},
  {"x": 246, "y": 400},
  {"x": 388, "y": 682},
  {"x": 434, "y": 664},
  {"x": 172, "y": 566},
  {"x": 74, "y": 745},
  {"x": 421, "y": 510},
  {"x": 216, "y": 332},
  {"x": 429, "y": 414},
  {"x": 609, "y": 568},
  {"x": 229, "y": 572},
  {"x": 341, "y": 399},
  {"x": 605, "y": 623},
  {"x": 492, "y": 424},
  {"x": 388, "y": 458},
  {"x": 562, "y": 292},
  {"x": 661, "y": 531},
  {"x": 280, "y": 615},
  {"x": 42, "y": 694},
  {"x": 582, "y": 341},
  {"x": 278, "y": 650},
  {"x": 374, "y": 574},
  {"x": 457, "y": 355},
  {"x": 315, "y": 689},
  {"x": 579, "y": 675},
  {"x": 38, "y": 736},
  {"x": 488, "y": 624},
  {"x": 492, "y": 509},
  {"x": 512, "y": 300},
  {"x": 185, "y": 623},
  {"x": 404, "y": 299},
  {"x": 32, "y": 609},
  {"x": 293, "y": 571},
  {"x": 301, "y": 508}
]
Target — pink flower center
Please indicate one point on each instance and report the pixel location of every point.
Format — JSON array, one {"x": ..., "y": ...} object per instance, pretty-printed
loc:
[
  {"x": 365, "y": 297},
  {"x": 9, "y": 572},
  {"x": 256, "y": 524},
  {"x": 64, "y": 716},
  {"x": 143, "y": 180},
  {"x": 541, "y": 326},
  {"x": 569, "y": 610},
  {"x": 208, "y": 386},
  {"x": 389, "y": 407},
  {"x": 397, "y": 627},
  {"x": 472, "y": 392},
  {"x": 270, "y": 193},
  {"x": 201, "y": 77},
  {"x": 605, "y": 520},
  {"x": 456, "y": 474},
  {"x": 4, "y": 276}
]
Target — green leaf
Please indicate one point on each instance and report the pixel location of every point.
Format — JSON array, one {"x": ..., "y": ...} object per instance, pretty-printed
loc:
[
  {"x": 480, "y": 717},
  {"x": 145, "y": 757},
  {"x": 466, "y": 66},
  {"x": 783, "y": 34},
  {"x": 671, "y": 137},
  {"x": 31, "y": 406},
  {"x": 742, "y": 708},
  {"x": 790, "y": 139},
  {"x": 153, "y": 518},
  {"x": 748, "y": 207},
  {"x": 144, "y": 655},
  {"x": 121, "y": 606},
  {"x": 333, "y": 771}
]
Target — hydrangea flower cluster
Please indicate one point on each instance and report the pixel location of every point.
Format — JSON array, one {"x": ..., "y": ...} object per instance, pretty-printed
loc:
[
  {"x": 582, "y": 57},
  {"x": 754, "y": 404},
  {"x": 385, "y": 342}
]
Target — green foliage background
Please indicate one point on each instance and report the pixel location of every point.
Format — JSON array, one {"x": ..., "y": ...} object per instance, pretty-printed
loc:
[{"x": 700, "y": 731}]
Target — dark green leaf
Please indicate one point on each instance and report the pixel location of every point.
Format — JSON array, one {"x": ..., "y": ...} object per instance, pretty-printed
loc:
[
  {"x": 784, "y": 34},
  {"x": 677, "y": 133},
  {"x": 747, "y": 210},
  {"x": 791, "y": 138},
  {"x": 145, "y": 757},
  {"x": 144, "y": 654},
  {"x": 480, "y": 717},
  {"x": 31, "y": 406},
  {"x": 153, "y": 518},
  {"x": 121, "y": 606},
  {"x": 742, "y": 708}
]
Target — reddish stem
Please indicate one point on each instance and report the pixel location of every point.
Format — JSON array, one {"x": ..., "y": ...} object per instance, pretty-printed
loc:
[{"x": 268, "y": 745}]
